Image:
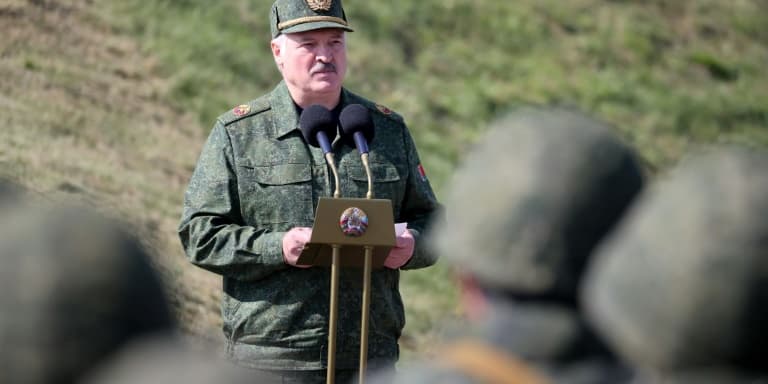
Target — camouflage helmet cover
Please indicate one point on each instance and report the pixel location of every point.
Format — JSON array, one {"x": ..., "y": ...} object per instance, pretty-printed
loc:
[
  {"x": 682, "y": 283},
  {"x": 531, "y": 201}
]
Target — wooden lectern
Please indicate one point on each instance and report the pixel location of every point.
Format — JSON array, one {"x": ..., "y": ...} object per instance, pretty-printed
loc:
[{"x": 350, "y": 233}]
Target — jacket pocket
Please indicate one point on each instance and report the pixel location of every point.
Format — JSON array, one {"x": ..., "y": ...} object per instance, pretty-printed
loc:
[
  {"x": 276, "y": 194},
  {"x": 387, "y": 183}
]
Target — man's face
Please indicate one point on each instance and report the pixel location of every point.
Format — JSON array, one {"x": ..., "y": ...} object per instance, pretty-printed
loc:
[{"x": 313, "y": 62}]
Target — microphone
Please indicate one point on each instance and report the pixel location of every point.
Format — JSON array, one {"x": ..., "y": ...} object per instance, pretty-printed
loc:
[
  {"x": 318, "y": 126},
  {"x": 357, "y": 126}
]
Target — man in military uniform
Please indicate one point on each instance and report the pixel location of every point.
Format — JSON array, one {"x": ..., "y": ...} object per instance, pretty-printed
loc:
[
  {"x": 524, "y": 213},
  {"x": 680, "y": 289},
  {"x": 249, "y": 209}
]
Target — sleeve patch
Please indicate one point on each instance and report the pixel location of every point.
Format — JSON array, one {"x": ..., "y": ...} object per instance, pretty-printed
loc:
[{"x": 422, "y": 173}]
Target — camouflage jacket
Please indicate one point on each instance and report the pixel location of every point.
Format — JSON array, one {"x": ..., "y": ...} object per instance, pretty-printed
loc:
[{"x": 256, "y": 178}]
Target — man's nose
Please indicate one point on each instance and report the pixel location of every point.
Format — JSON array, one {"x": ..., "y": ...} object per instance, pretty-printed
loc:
[{"x": 324, "y": 54}]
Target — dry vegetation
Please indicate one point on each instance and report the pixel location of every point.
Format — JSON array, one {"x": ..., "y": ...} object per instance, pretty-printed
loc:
[{"x": 82, "y": 119}]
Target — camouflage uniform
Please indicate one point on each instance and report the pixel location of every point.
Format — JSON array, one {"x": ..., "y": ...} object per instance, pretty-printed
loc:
[
  {"x": 256, "y": 179},
  {"x": 680, "y": 289},
  {"x": 524, "y": 213}
]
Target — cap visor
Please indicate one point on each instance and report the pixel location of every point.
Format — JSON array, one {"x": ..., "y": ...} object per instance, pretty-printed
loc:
[{"x": 311, "y": 26}]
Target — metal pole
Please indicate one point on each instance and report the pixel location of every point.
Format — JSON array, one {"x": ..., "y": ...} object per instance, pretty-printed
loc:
[
  {"x": 366, "y": 285},
  {"x": 366, "y": 310},
  {"x": 330, "y": 374}
]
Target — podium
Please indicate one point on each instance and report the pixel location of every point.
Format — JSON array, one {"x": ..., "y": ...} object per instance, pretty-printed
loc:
[{"x": 349, "y": 232}]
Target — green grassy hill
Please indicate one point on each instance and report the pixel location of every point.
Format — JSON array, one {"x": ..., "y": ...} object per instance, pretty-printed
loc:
[{"x": 110, "y": 101}]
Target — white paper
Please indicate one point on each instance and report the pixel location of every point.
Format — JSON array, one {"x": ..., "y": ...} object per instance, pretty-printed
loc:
[{"x": 400, "y": 229}]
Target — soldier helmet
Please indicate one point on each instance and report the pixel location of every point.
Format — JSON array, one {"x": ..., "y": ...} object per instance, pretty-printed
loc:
[
  {"x": 74, "y": 287},
  {"x": 533, "y": 199},
  {"x": 683, "y": 282},
  {"x": 291, "y": 16}
]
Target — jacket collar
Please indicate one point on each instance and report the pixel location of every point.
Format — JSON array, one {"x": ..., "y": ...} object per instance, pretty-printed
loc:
[{"x": 283, "y": 106}]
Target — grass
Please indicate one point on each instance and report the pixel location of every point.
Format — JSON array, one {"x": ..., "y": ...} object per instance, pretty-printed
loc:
[{"x": 670, "y": 76}]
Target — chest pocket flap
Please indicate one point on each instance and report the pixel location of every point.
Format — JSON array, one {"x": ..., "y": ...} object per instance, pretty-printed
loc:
[
  {"x": 380, "y": 172},
  {"x": 280, "y": 174}
]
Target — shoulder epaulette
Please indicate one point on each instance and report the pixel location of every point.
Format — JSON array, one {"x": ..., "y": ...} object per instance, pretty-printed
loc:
[
  {"x": 387, "y": 112},
  {"x": 381, "y": 110},
  {"x": 374, "y": 107},
  {"x": 243, "y": 111}
]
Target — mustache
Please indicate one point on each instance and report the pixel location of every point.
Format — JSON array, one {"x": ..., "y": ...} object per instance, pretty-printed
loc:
[{"x": 323, "y": 67}]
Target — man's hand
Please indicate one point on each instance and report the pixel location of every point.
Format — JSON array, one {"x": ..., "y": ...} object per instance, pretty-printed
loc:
[
  {"x": 402, "y": 251},
  {"x": 293, "y": 243}
]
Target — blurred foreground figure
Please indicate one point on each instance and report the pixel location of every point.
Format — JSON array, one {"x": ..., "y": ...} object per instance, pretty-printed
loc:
[
  {"x": 79, "y": 301},
  {"x": 681, "y": 289},
  {"x": 525, "y": 211},
  {"x": 9, "y": 190}
]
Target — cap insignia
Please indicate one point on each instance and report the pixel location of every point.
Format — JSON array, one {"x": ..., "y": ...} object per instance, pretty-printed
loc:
[
  {"x": 319, "y": 5},
  {"x": 241, "y": 110}
]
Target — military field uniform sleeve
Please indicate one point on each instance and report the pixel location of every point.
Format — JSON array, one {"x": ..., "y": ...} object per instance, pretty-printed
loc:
[
  {"x": 212, "y": 230},
  {"x": 420, "y": 207}
]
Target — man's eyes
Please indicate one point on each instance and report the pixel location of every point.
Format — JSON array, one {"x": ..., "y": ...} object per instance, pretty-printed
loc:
[{"x": 313, "y": 44}]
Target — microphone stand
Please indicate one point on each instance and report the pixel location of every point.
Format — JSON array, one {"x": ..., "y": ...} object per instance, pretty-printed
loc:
[
  {"x": 335, "y": 266},
  {"x": 315, "y": 126},
  {"x": 332, "y": 163},
  {"x": 366, "y": 285}
]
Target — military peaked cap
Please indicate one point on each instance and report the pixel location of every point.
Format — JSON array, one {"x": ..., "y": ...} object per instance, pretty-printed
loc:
[{"x": 291, "y": 16}]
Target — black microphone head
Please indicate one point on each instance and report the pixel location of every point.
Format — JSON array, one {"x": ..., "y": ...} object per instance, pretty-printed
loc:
[
  {"x": 315, "y": 119},
  {"x": 356, "y": 118}
]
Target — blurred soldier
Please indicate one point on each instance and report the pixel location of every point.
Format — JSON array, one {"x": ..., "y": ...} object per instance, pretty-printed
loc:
[
  {"x": 681, "y": 289},
  {"x": 250, "y": 206},
  {"x": 73, "y": 289},
  {"x": 80, "y": 302},
  {"x": 167, "y": 360},
  {"x": 524, "y": 213}
]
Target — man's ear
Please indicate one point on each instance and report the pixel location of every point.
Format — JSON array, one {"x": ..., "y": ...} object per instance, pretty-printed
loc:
[{"x": 277, "y": 53}]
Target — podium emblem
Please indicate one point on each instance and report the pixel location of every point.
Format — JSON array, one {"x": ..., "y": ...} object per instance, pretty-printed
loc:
[{"x": 353, "y": 222}]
